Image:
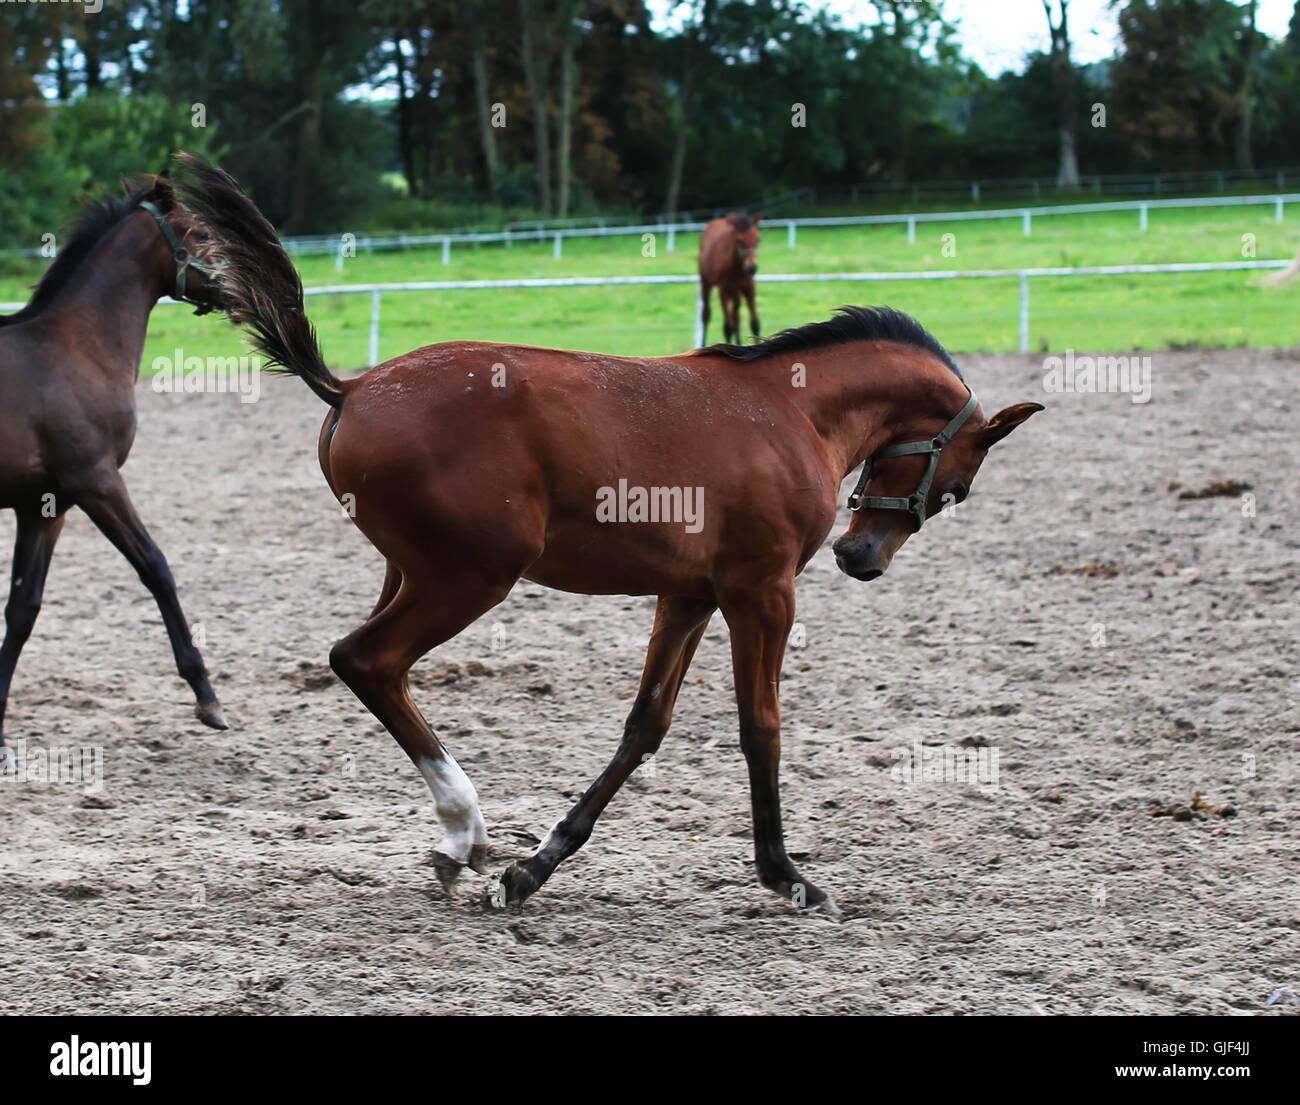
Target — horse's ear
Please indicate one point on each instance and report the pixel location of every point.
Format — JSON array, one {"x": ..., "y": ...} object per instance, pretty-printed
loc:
[
  {"x": 1005, "y": 421},
  {"x": 162, "y": 192},
  {"x": 126, "y": 184}
]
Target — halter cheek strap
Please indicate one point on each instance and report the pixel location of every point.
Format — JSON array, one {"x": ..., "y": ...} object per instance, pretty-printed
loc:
[
  {"x": 915, "y": 503},
  {"x": 184, "y": 259}
]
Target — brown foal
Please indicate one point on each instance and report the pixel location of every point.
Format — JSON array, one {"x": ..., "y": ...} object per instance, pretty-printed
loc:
[
  {"x": 707, "y": 479},
  {"x": 729, "y": 261}
]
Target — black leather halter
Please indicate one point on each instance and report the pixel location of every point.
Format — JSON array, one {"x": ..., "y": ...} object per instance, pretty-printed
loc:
[
  {"x": 915, "y": 503},
  {"x": 185, "y": 260}
]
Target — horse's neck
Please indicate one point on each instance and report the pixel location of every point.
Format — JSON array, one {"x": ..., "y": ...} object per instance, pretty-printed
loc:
[
  {"x": 857, "y": 396},
  {"x": 107, "y": 300}
]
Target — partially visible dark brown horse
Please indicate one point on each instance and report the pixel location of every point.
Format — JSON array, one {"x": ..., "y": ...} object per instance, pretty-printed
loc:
[
  {"x": 68, "y": 367},
  {"x": 729, "y": 260},
  {"x": 708, "y": 479}
]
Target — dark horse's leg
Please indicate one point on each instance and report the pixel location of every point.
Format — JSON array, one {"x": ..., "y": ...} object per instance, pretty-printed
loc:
[
  {"x": 32, "y": 551},
  {"x": 753, "y": 310},
  {"x": 109, "y": 507},
  {"x": 679, "y": 625},
  {"x": 760, "y": 622},
  {"x": 705, "y": 293}
]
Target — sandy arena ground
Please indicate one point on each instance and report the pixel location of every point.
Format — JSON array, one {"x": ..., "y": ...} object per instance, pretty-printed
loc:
[{"x": 1117, "y": 646}]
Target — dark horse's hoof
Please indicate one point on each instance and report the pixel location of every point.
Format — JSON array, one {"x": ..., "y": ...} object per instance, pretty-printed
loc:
[
  {"x": 516, "y": 884},
  {"x": 210, "y": 714}
]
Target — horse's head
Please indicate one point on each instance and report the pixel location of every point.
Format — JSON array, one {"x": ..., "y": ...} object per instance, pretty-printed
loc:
[
  {"x": 187, "y": 253},
  {"x": 746, "y": 228},
  {"x": 926, "y": 467}
]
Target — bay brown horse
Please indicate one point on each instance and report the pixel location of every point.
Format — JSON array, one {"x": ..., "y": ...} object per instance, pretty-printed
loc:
[
  {"x": 68, "y": 367},
  {"x": 708, "y": 479},
  {"x": 728, "y": 261}
]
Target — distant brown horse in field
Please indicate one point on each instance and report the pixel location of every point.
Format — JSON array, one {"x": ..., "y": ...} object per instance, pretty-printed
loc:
[
  {"x": 729, "y": 260},
  {"x": 68, "y": 367},
  {"x": 708, "y": 479}
]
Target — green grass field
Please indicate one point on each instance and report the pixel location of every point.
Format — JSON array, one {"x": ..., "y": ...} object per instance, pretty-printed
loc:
[{"x": 1095, "y": 313}]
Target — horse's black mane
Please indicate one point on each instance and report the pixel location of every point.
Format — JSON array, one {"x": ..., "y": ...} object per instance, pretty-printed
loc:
[
  {"x": 94, "y": 222},
  {"x": 848, "y": 324}
]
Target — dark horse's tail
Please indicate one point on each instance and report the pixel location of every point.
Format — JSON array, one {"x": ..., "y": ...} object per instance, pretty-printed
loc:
[{"x": 259, "y": 288}]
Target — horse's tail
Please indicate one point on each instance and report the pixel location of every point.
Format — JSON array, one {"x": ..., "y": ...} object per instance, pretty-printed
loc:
[
  {"x": 258, "y": 285},
  {"x": 1284, "y": 276}
]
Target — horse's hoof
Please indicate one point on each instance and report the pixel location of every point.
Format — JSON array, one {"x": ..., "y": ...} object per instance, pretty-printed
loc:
[
  {"x": 515, "y": 885},
  {"x": 448, "y": 871},
  {"x": 826, "y": 908},
  {"x": 210, "y": 714},
  {"x": 478, "y": 859}
]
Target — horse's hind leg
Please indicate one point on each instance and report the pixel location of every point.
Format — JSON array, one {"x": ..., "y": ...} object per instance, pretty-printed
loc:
[
  {"x": 392, "y": 581},
  {"x": 753, "y": 311},
  {"x": 374, "y": 660},
  {"x": 33, "y": 548},
  {"x": 679, "y": 625},
  {"x": 705, "y": 293},
  {"x": 110, "y": 508}
]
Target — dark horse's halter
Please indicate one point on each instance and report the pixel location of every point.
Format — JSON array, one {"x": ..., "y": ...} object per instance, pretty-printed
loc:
[
  {"x": 914, "y": 504},
  {"x": 185, "y": 260}
]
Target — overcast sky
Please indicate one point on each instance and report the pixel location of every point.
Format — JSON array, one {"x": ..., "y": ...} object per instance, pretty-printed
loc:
[{"x": 999, "y": 33}]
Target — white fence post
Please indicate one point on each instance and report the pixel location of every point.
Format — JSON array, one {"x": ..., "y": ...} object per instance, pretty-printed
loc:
[
  {"x": 672, "y": 240},
  {"x": 1277, "y": 211},
  {"x": 446, "y": 251},
  {"x": 699, "y": 320},
  {"x": 1028, "y": 224},
  {"x": 789, "y": 236},
  {"x": 1142, "y": 218},
  {"x": 558, "y": 248},
  {"x": 1024, "y": 312},
  {"x": 374, "y": 328},
  {"x": 911, "y": 230}
]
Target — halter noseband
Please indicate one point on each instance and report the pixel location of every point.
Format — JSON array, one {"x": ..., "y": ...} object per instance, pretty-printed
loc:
[
  {"x": 914, "y": 504},
  {"x": 185, "y": 260}
]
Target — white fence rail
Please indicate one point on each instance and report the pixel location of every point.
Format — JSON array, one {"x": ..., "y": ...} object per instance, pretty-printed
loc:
[
  {"x": 341, "y": 246},
  {"x": 376, "y": 291}
]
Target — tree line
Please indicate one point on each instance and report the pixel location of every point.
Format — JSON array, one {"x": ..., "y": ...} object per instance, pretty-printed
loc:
[{"x": 356, "y": 113}]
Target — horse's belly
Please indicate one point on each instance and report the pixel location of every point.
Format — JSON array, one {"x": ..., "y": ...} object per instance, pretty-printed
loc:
[{"x": 621, "y": 559}]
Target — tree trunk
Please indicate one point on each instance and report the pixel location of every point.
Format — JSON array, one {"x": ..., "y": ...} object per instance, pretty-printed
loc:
[
  {"x": 308, "y": 152},
  {"x": 478, "y": 63},
  {"x": 1246, "y": 98},
  {"x": 404, "y": 117},
  {"x": 535, "y": 79},
  {"x": 678, "y": 163},
  {"x": 1063, "y": 84},
  {"x": 697, "y": 41},
  {"x": 568, "y": 24}
]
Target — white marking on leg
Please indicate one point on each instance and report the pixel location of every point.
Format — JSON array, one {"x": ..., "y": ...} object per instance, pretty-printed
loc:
[
  {"x": 456, "y": 803},
  {"x": 550, "y": 836}
]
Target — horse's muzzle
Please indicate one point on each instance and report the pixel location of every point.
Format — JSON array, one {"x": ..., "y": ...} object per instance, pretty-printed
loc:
[{"x": 858, "y": 559}]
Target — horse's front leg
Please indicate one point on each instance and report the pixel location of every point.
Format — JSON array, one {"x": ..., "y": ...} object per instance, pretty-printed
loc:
[
  {"x": 753, "y": 310},
  {"x": 33, "y": 548},
  {"x": 679, "y": 625},
  {"x": 760, "y": 619},
  {"x": 730, "y": 315}
]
